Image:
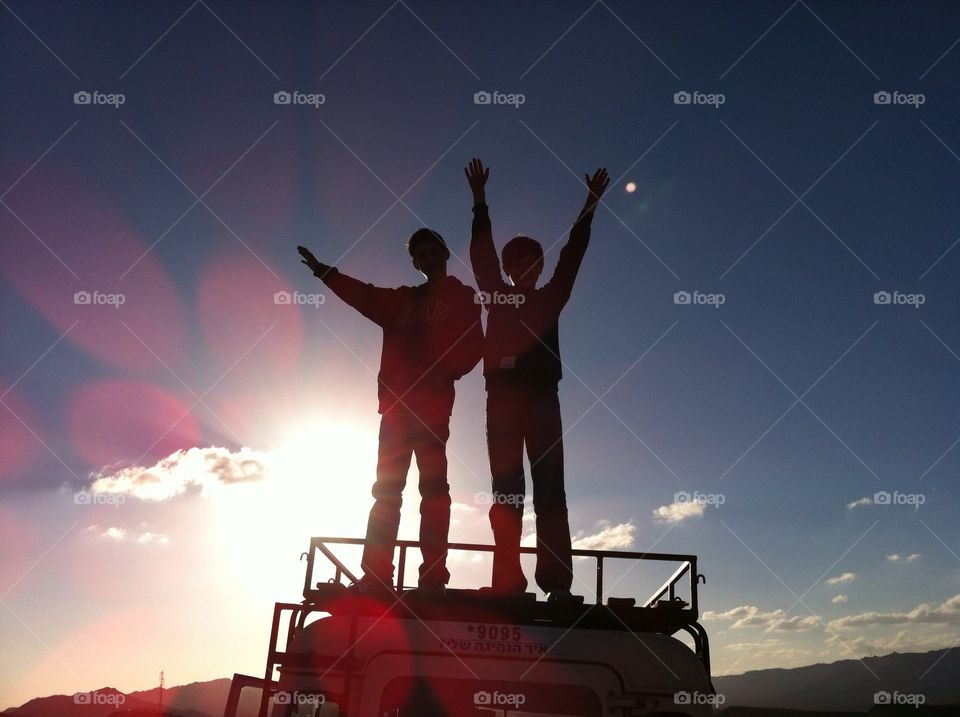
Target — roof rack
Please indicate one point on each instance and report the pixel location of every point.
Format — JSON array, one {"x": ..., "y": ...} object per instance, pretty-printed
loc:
[{"x": 321, "y": 592}]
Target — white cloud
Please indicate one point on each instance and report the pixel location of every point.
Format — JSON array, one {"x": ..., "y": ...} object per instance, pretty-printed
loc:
[
  {"x": 605, "y": 537},
  {"x": 839, "y": 599},
  {"x": 114, "y": 533},
  {"x": 732, "y": 614},
  {"x": 122, "y": 535},
  {"x": 861, "y": 501},
  {"x": 903, "y": 641},
  {"x": 760, "y": 644},
  {"x": 675, "y": 512},
  {"x": 947, "y": 613},
  {"x": 202, "y": 470},
  {"x": 752, "y": 616},
  {"x": 897, "y": 558},
  {"x": 842, "y": 579},
  {"x": 609, "y": 537},
  {"x": 158, "y": 538},
  {"x": 797, "y": 624}
]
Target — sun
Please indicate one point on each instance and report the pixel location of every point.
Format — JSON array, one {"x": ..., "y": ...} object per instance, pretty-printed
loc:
[{"x": 318, "y": 483}]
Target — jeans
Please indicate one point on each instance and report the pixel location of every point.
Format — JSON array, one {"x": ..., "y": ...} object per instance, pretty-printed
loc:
[
  {"x": 403, "y": 435},
  {"x": 519, "y": 416}
]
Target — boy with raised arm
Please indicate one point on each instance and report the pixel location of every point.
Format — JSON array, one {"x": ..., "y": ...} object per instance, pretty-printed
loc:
[
  {"x": 431, "y": 337},
  {"x": 521, "y": 364}
]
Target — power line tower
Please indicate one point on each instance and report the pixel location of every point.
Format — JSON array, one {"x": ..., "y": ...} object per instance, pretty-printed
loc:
[{"x": 160, "y": 698}]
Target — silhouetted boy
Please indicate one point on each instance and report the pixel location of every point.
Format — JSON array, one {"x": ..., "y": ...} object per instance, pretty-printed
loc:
[
  {"x": 521, "y": 364},
  {"x": 431, "y": 337}
]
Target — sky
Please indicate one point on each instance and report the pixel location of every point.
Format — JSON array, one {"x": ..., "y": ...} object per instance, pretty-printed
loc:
[{"x": 761, "y": 353}]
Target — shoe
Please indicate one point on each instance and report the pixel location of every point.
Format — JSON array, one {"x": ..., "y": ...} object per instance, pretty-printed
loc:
[
  {"x": 371, "y": 586},
  {"x": 564, "y": 597}
]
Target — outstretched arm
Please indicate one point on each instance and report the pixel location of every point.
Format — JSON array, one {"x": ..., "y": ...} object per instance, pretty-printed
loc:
[
  {"x": 483, "y": 255},
  {"x": 572, "y": 253},
  {"x": 372, "y": 301}
]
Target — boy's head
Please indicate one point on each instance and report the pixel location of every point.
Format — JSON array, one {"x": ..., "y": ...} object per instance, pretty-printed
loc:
[
  {"x": 429, "y": 253},
  {"x": 523, "y": 261}
]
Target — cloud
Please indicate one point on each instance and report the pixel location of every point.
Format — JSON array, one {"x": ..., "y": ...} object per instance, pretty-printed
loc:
[
  {"x": 732, "y": 614},
  {"x": 947, "y": 613},
  {"x": 839, "y": 599},
  {"x": 610, "y": 537},
  {"x": 797, "y": 624},
  {"x": 122, "y": 535},
  {"x": 112, "y": 533},
  {"x": 861, "y": 501},
  {"x": 752, "y": 616},
  {"x": 897, "y": 558},
  {"x": 842, "y": 579},
  {"x": 675, "y": 512},
  {"x": 902, "y": 641},
  {"x": 606, "y": 536},
  {"x": 760, "y": 644},
  {"x": 202, "y": 470},
  {"x": 460, "y": 512},
  {"x": 148, "y": 538}
]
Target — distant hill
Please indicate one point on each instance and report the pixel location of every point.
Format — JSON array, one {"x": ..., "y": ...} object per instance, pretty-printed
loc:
[
  {"x": 882, "y": 711},
  {"x": 197, "y": 699},
  {"x": 847, "y": 685},
  {"x": 839, "y": 689}
]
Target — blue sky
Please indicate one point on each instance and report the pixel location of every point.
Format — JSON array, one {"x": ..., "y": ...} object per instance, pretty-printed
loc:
[{"x": 787, "y": 189}]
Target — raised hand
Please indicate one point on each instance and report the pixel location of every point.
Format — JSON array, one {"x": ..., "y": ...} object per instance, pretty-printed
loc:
[
  {"x": 596, "y": 186},
  {"x": 477, "y": 178},
  {"x": 317, "y": 267}
]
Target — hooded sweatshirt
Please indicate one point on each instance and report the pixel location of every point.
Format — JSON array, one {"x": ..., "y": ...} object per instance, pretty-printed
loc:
[{"x": 431, "y": 337}]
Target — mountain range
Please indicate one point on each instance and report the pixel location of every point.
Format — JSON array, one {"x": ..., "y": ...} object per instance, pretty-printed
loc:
[{"x": 884, "y": 685}]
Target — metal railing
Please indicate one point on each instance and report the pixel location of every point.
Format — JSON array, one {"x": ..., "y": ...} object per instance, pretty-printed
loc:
[{"x": 688, "y": 566}]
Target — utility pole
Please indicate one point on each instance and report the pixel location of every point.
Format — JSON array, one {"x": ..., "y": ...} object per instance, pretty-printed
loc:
[{"x": 160, "y": 698}]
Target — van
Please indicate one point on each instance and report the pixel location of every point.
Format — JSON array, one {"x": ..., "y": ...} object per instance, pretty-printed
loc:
[{"x": 469, "y": 653}]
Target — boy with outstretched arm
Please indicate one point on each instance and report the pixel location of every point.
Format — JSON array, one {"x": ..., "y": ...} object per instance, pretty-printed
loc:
[{"x": 431, "y": 337}]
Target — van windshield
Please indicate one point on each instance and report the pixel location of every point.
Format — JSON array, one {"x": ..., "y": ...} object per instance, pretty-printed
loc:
[{"x": 417, "y": 696}]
